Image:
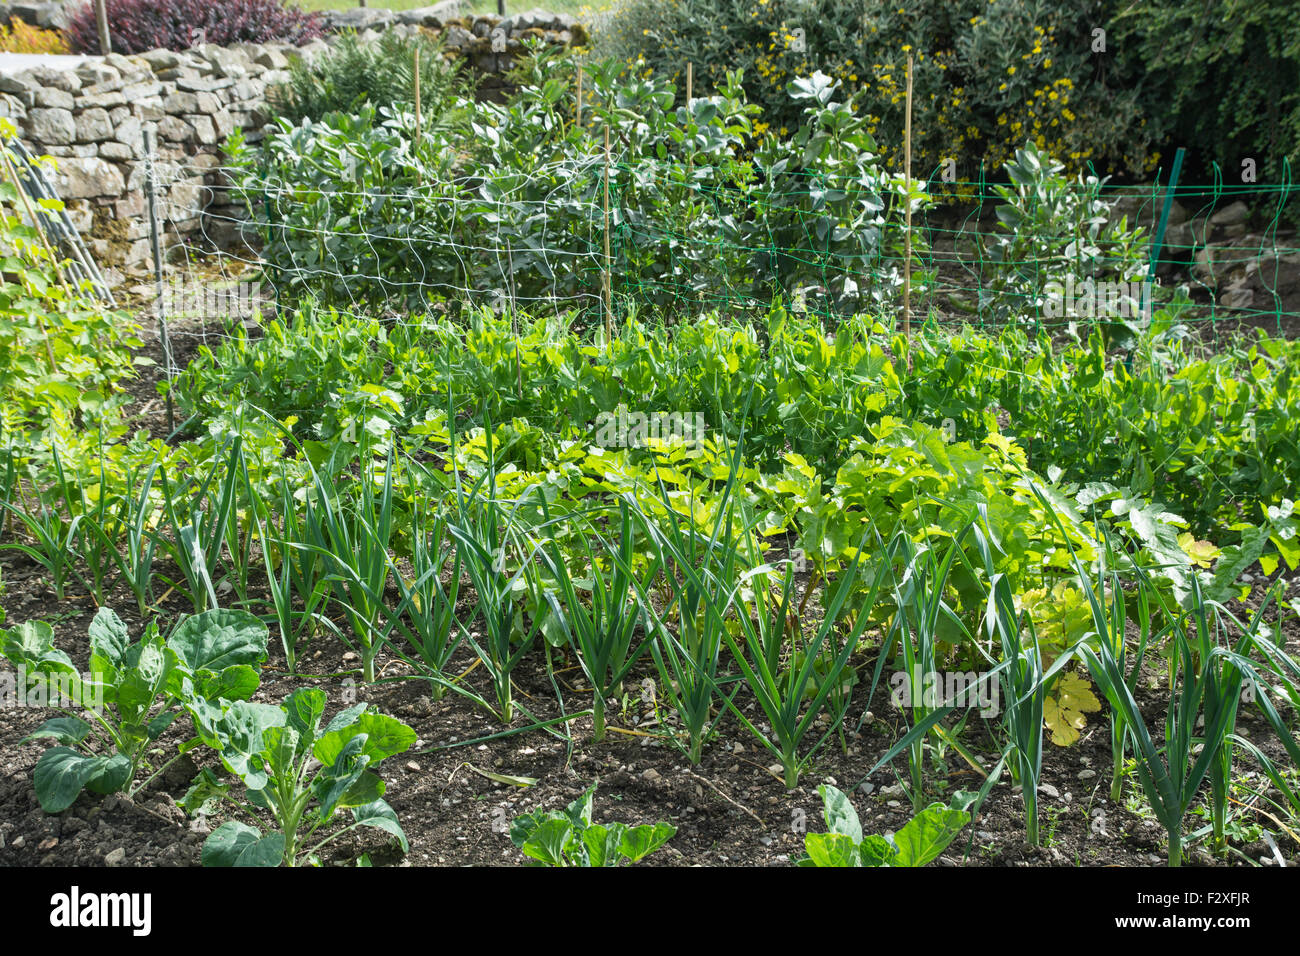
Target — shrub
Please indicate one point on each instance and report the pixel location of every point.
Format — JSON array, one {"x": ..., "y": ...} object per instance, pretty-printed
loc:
[
  {"x": 21, "y": 37},
  {"x": 135, "y": 26},
  {"x": 1226, "y": 83},
  {"x": 381, "y": 73},
  {"x": 986, "y": 76}
]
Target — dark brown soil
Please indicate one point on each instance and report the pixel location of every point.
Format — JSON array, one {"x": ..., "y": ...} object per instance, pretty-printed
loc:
[{"x": 731, "y": 809}]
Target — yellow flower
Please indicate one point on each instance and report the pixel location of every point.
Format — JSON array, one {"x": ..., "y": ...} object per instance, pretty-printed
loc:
[
  {"x": 1011, "y": 71},
  {"x": 1047, "y": 63}
]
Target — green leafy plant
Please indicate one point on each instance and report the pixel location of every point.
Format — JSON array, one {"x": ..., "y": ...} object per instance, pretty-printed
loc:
[
  {"x": 569, "y": 837},
  {"x": 296, "y": 773},
  {"x": 1059, "y": 234},
  {"x": 132, "y": 694},
  {"x": 916, "y": 843}
]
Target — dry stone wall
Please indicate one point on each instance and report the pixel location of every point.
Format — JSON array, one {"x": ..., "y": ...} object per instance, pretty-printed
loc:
[{"x": 91, "y": 116}]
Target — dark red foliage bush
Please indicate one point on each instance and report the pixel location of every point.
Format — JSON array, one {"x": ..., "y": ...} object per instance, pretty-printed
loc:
[{"x": 135, "y": 26}]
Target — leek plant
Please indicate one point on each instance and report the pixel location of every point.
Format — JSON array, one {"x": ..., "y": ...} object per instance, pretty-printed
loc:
[
  {"x": 922, "y": 619},
  {"x": 1024, "y": 685},
  {"x": 96, "y": 532},
  {"x": 426, "y": 616},
  {"x": 1226, "y": 670},
  {"x": 355, "y": 540},
  {"x": 135, "y": 515},
  {"x": 294, "y": 569},
  {"x": 198, "y": 524},
  {"x": 53, "y": 541},
  {"x": 601, "y": 635},
  {"x": 702, "y": 571},
  {"x": 793, "y": 675},
  {"x": 485, "y": 530},
  {"x": 1208, "y": 679}
]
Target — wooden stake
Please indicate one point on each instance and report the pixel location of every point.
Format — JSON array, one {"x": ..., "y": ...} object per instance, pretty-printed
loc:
[
  {"x": 907, "y": 235},
  {"x": 609, "y": 296},
  {"x": 578, "y": 108},
  {"x": 417, "y": 98},
  {"x": 101, "y": 24}
]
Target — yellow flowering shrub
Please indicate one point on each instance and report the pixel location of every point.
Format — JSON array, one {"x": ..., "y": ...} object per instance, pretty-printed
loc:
[{"x": 988, "y": 75}]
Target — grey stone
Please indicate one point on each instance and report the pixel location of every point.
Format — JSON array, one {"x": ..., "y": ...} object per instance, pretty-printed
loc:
[
  {"x": 272, "y": 59},
  {"x": 1231, "y": 215},
  {"x": 1279, "y": 273},
  {"x": 204, "y": 130},
  {"x": 136, "y": 92},
  {"x": 11, "y": 107},
  {"x": 105, "y": 100},
  {"x": 51, "y": 126},
  {"x": 64, "y": 80},
  {"x": 50, "y": 16},
  {"x": 52, "y": 98},
  {"x": 93, "y": 125},
  {"x": 82, "y": 178},
  {"x": 358, "y": 18},
  {"x": 456, "y": 37},
  {"x": 535, "y": 17},
  {"x": 222, "y": 124},
  {"x": 80, "y": 213},
  {"x": 176, "y": 129},
  {"x": 193, "y": 83},
  {"x": 95, "y": 72},
  {"x": 19, "y": 87},
  {"x": 128, "y": 132},
  {"x": 161, "y": 59},
  {"x": 131, "y": 206},
  {"x": 119, "y": 152}
]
